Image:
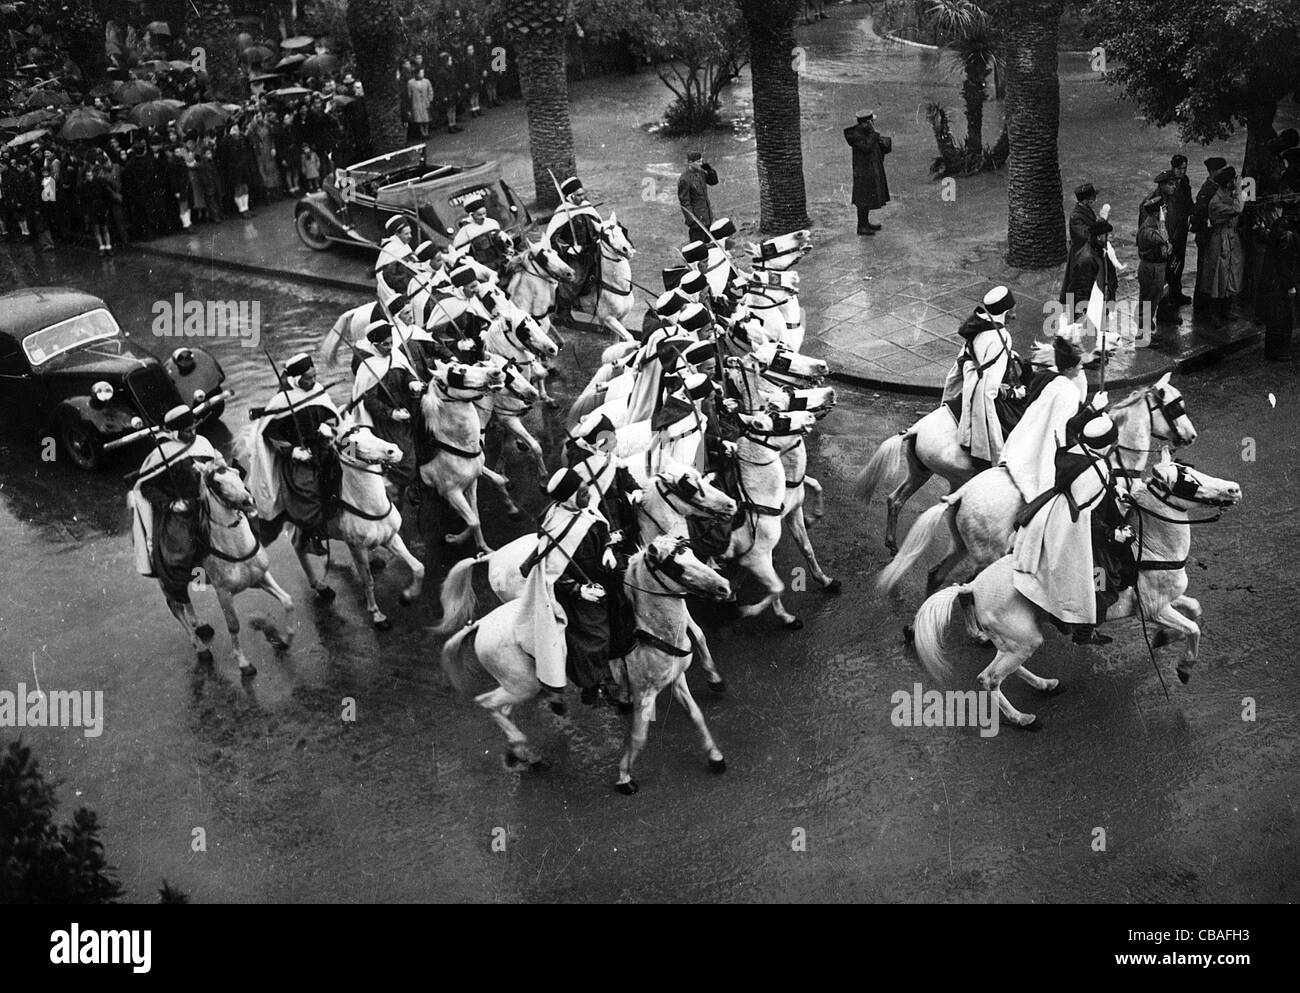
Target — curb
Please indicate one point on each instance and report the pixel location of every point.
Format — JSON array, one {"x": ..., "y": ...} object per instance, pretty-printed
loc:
[
  {"x": 936, "y": 48},
  {"x": 256, "y": 270}
]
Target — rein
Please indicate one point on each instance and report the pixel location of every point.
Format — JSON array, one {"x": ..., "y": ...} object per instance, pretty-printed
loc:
[{"x": 240, "y": 518}]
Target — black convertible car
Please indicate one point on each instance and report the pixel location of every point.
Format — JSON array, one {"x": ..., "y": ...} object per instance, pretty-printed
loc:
[{"x": 67, "y": 371}]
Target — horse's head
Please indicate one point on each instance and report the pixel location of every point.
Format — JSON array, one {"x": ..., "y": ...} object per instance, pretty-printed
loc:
[
  {"x": 1182, "y": 486},
  {"x": 783, "y": 251},
  {"x": 1169, "y": 420},
  {"x": 460, "y": 381},
  {"x": 518, "y": 383},
  {"x": 548, "y": 260},
  {"x": 358, "y": 444},
  {"x": 530, "y": 335},
  {"x": 700, "y": 497},
  {"x": 615, "y": 235},
  {"x": 782, "y": 361},
  {"x": 227, "y": 485},
  {"x": 762, "y": 423},
  {"x": 817, "y": 399},
  {"x": 673, "y": 563}
]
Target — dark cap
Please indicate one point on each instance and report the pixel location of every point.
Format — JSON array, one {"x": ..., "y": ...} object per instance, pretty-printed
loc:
[
  {"x": 1214, "y": 163},
  {"x": 1225, "y": 176},
  {"x": 1178, "y": 160},
  {"x": 1167, "y": 176},
  {"x": 1085, "y": 191}
]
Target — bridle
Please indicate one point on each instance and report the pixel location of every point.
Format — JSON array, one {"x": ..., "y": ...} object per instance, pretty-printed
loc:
[
  {"x": 682, "y": 490},
  {"x": 354, "y": 461},
  {"x": 240, "y": 518},
  {"x": 1170, "y": 410},
  {"x": 1184, "y": 488},
  {"x": 668, "y": 570}
]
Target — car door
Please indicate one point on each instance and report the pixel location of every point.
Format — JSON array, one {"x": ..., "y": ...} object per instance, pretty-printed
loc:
[{"x": 20, "y": 391}]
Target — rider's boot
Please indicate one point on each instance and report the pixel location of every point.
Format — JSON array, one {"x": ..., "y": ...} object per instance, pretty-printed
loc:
[
  {"x": 554, "y": 698},
  {"x": 1087, "y": 634}
]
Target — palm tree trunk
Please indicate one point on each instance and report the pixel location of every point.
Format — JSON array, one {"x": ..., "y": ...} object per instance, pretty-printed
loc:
[
  {"x": 374, "y": 44},
  {"x": 210, "y": 25},
  {"x": 1259, "y": 131},
  {"x": 972, "y": 92},
  {"x": 538, "y": 29},
  {"x": 1035, "y": 218},
  {"x": 778, "y": 134}
]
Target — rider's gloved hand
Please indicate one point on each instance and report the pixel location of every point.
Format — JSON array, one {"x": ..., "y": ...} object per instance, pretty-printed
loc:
[
  {"x": 1100, "y": 401},
  {"x": 592, "y": 593},
  {"x": 636, "y": 497},
  {"x": 609, "y": 560},
  {"x": 401, "y": 415},
  {"x": 180, "y": 506},
  {"x": 1124, "y": 534},
  {"x": 728, "y": 448},
  {"x": 416, "y": 387},
  {"x": 300, "y": 454}
]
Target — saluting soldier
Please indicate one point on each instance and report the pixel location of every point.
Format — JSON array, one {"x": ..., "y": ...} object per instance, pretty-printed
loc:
[{"x": 870, "y": 185}]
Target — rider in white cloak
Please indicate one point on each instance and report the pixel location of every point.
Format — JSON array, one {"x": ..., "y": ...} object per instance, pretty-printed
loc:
[
  {"x": 164, "y": 504},
  {"x": 392, "y": 266},
  {"x": 1055, "y": 399},
  {"x": 386, "y": 389},
  {"x": 290, "y": 471},
  {"x": 564, "y": 527},
  {"x": 982, "y": 367},
  {"x": 1053, "y": 552},
  {"x": 481, "y": 236},
  {"x": 690, "y": 323}
]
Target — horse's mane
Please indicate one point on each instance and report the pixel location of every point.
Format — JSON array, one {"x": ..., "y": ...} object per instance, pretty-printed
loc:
[{"x": 1122, "y": 408}]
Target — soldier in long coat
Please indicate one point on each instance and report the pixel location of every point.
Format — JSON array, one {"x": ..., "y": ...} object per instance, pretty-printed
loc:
[
  {"x": 1219, "y": 268},
  {"x": 870, "y": 187},
  {"x": 1082, "y": 221}
]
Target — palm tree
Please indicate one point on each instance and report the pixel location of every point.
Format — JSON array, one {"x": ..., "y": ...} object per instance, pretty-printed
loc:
[
  {"x": 781, "y": 199},
  {"x": 974, "y": 45},
  {"x": 1035, "y": 221},
  {"x": 210, "y": 25},
  {"x": 538, "y": 29},
  {"x": 374, "y": 46}
]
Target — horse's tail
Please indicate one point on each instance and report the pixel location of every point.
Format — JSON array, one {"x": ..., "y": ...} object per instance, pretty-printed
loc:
[
  {"x": 931, "y": 629},
  {"x": 888, "y": 461},
  {"x": 459, "y": 601},
  {"x": 459, "y": 660},
  {"x": 914, "y": 546}
]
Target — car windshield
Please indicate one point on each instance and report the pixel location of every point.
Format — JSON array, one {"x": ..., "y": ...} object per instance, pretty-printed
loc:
[{"x": 94, "y": 325}]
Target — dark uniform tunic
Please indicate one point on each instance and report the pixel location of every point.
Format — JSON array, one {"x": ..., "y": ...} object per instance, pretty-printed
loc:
[
  {"x": 178, "y": 539},
  {"x": 310, "y": 489}
]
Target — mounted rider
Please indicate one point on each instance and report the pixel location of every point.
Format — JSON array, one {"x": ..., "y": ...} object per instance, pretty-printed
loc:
[
  {"x": 295, "y": 473},
  {"x": 614, "y": 492},
  {"x": 574, "y": 233},
  {"x": 978, "y": 375},
  {"x": 389, "y": 389},
  {"x": 1073, "y": 552},
  {"x": 481, "y": 236},
  {"x": 573, "y": 582},
  {"x": 391, "y": 272},
  {"x": 165, "y": 526}
]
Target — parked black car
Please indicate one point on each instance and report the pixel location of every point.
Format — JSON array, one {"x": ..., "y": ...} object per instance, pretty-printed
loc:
[{"x": 67, "y": 371}]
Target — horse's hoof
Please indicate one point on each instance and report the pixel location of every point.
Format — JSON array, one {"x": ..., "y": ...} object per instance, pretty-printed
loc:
[
  {"x": 1035, "y": 725},
  {"x": 909, "y": 634},
  {"x": 247, "y": 671},
  {"x": 205, "y": 659},
  {"x": 833, "y": 588},
  {"x": 378, "y": 565},
  {"x": 512, "y": 760},
  {"x": 1056, "y": 690},
  {"x": 1184, "y": 676},
  {"x": 717, "y": 766},
  {"x": 539, "y": 765},
  {"x": 794, "y": 624},
  {"x": 508, "y": 485},
  {"x": 628, "y": 788},
  {"x": 380, "y": 623},
  {"x": 893, "y": 549},
  {"x": 1162, "y": 638},
  {"x": 404, "y": 599},
  {"x": 719, "y": 687},
  {"x": 624, "y": 708},
  {"x": 551, "y": 403},
  {"x": 204, "y": 633},
  {"x": 515, "y": 514},
  {"x": 325, "y": 594},
  {"x": 280, "y": 647}
]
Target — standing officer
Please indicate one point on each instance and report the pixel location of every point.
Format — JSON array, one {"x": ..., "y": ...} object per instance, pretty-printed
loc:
[
  {"x": 693, "y": 194},
  {"x": 870, "y": 187}
]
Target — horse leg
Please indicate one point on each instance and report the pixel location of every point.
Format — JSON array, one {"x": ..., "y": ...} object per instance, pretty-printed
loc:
[
  {"x": 616, "y": 326},
  {"x": 227, "y": 601},
  {"x": 800, "y": 531},
  {"x": 397, "y": 546},
  {"x": 280, "y": 644},
  {"x": 515, "y": 426},
  {"x": 504, "y": 486},
  {"x": 819, "y": 497},
  {"x": 460, "y": 504},
  {"x": 1175, "y": 625},
  {"x": 1049, "y": 686},
  {"x": 761, "y": 568},
  {"x": 683, "y": 693},
  {"x": 361, "y": 559},
  {"x": 1004, "y": 664},
  {"x": 1188, "y": 607},
  {"x": 185, "y": 616},
  {"x": 324, "y": 592},
  {"x": 636, "y": 737},
  {"x": 917, "y": 476},
  {"x": 498, "y": 703},
  {"x": 701, "y": 645},
  {"x": 477, "y": 526},
  {"x": 938, "y": 576}
]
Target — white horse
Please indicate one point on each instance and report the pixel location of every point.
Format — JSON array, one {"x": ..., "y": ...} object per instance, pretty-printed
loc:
[
  {"x": 236, "y": 560},
  {"x": 533, "y": 276},
  {"x": 676, "y": 493},
  {"x": 657, "y": 581},
  {"x": 1015, "y": 625},
  {"x": 611, "y": 298},
  {"x": 773, "y": 298},
  {"x": 454, "y": 429},
  {"x": 981, "y": 514},
  {"x": 365, "y": 519},
  {"x": 506, "y": 407},
  {"x": 782, "y": 252},
  {"x": 523, "y": 341}
]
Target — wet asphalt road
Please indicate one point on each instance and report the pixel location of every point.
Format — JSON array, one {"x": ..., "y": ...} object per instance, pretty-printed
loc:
[{"x": 405, "y": 802}]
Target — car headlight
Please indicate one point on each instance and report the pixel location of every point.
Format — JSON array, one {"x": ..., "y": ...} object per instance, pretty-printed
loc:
[
  {"x": 102, "y": 392},
  {"x": 137, "y": 423},
  {"x": 184, "y": 359},
  {"x": 199, "y": 397}
]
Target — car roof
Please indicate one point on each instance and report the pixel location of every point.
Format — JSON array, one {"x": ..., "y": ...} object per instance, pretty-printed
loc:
[{"x": 31, "y": 309}]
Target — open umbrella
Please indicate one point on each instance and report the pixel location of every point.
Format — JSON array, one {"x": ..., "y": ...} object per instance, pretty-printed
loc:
[
  {"x": 321, "y": 64},
  {"x": 301, "y": 41},
  {"x": 289, "y": 92},
  {"x": 248, "y": 21},
  {"x": 159, "y": 27},
  {"x": 47, "y": 98},
  {"x": 38, "y": 119},
  {"x": 290, "y": 61},
  {"x": 263, "y": 77},
  {"x": 202, "y": 117},
  {"x": 9, "y": 124},
  {"x": 85, "y": 123},
  {"x": 340, "y": 100},
  {"x": 26, "y": 138},
  {"x": 123, "y": 127},
  {"x": 152, "y": 113},
  {"x": 180, "y": 65},
  {"x": 136, "y": 91},
  {"x": 256, "y": 55},
  {"x": 154, "y": 65}
]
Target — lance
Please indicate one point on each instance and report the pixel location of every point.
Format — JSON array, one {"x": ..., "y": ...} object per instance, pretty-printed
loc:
[
  {"x": 567, "y": 216},
  {"x": 284, "y": 389}
]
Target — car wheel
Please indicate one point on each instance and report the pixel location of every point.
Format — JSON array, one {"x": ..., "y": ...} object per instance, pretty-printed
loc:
[
  {"x": 311, "y": 231},
  {"x": 82, "y": 444}
]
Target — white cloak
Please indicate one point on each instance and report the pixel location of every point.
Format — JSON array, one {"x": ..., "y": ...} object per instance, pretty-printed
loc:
[
  {"x": 200, "y": 449},
  {"x": 263, "y": 479},
  {"x": 1030, "y": 450}
]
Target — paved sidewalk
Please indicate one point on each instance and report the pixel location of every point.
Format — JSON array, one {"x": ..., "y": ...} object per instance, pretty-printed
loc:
[{"x": 883, "y": 310}]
